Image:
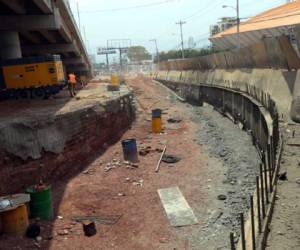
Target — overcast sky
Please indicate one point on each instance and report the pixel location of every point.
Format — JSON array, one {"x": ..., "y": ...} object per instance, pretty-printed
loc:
[{"x": 142, "y": 20}]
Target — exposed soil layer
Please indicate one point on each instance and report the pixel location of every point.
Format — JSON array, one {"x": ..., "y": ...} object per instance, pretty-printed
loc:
[
  {"x": 215, "y": 174},
  {"x": 47, "y": 139}
]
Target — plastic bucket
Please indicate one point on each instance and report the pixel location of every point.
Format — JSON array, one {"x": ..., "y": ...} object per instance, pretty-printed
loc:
[
  {"x": 130, "y": 150},
  {"x": 156, "y": 121},
  {"x": 15, "y": 221},
  {"x": 40, "y": 203}
]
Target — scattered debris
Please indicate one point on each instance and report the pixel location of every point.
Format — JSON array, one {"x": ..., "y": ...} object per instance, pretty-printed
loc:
[
  {"x": 89, "y": 229},
  {"x": 222, "y": 197},
  {"x": 282, "y": 176},
  {"x": 63, "y": 232},
  {"x": 38, "y": 238},
  {"x": 162, "y": 155},
  {"x": 174, "y": 120},
  {"x": 159, "y": 150},
  {"x": 145, "y": 151},
  {"x": 100, "y": 219},
  {"x": 89, "y": 172},
  {"x": 163, "y": 142},
  {"x": 121, "y": 194},
  {"x": 133, "y": 165},
  {"x": 170, "y": 158},
  {"x": 138, "y": 183},
  {"x": 37, "y": 245},
  {"x": 117, "y": 164},
  {"x": 60, "y": 217}
]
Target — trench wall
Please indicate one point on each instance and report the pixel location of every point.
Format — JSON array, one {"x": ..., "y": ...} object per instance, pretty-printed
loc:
[
  {"x": 260, "y": 121},
  {"x": 85, "y": 132}
]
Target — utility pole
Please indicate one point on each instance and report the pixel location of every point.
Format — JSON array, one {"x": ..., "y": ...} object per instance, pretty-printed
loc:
[
  {"x": 182, "y": 44},
  {"x": 107, "y": 63},
  {"x": 238, "y": 22},
  {"x": 121, "y": 64},
  {"x": 157, "y": 52}
]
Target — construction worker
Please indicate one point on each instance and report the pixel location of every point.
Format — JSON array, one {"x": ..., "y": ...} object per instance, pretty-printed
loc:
[{"x": 72, "y": 84}]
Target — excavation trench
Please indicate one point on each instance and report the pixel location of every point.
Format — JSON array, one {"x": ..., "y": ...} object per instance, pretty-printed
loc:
[
  {"x": 216, "y": 175},
  {"x": 234, "y": 151}
]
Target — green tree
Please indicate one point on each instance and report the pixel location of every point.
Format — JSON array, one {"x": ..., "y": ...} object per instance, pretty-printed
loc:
[
  {"x": 189, "y": 53},
  {"x": 138, "y": 54}
]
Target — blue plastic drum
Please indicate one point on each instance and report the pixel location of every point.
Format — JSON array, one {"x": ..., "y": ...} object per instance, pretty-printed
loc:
[{"x": 130, "y": 150}]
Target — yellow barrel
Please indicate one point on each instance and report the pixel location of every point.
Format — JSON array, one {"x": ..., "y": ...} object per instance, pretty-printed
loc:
[
  {"x": 114, "y": 79},
  {"x": 15, "y": 221},
  {"x": 156, "y": 121},
  {"x": 156, "y": 124}
]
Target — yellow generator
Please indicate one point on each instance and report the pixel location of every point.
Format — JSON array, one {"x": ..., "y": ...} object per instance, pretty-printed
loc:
[{"x": 33, "y": 77}]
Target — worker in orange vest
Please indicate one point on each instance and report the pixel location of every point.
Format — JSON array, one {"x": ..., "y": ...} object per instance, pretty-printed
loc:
[{"x": 72, "y": 84}]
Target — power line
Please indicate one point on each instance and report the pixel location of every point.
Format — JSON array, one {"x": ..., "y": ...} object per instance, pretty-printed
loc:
[
  {"x": 130, "y": 7},
  {"x": 202, "y": 10}
]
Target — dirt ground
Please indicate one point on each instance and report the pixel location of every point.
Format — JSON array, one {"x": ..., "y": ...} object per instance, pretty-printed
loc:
[
  {"x": 204, "y": 172},
  {"x": 285, "y": 226}
]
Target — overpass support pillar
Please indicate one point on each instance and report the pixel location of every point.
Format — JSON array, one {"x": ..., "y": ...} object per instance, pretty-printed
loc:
[{"x": 10, "y": 45}]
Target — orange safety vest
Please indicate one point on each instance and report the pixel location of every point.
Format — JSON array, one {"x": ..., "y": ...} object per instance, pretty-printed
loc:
[{"x": 72, "y": 79}]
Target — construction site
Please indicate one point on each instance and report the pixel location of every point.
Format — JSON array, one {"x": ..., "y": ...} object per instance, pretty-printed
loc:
[{"x": 135, "y": 151}]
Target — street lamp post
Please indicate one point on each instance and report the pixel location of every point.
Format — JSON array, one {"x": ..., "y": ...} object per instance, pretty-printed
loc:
[
  {"x": 237, "y": 9},
  {"x": 157, "y": 52}
]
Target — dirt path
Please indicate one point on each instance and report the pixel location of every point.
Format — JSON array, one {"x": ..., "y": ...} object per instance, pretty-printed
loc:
[
  {"x": 205, "y": 171},
  {"x": 285, "y": 226}
]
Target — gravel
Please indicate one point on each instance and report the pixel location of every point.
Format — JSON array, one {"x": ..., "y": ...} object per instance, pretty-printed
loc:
[{"x": 234, "y": 165}]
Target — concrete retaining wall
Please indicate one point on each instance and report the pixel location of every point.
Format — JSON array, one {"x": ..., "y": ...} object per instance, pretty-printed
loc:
[
  {"x": 281, "y": 85},
  {"x": 54, "y": 148}
]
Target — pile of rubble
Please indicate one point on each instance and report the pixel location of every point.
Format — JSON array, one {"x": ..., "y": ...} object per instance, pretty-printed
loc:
[{"x": 117, "y": 164}]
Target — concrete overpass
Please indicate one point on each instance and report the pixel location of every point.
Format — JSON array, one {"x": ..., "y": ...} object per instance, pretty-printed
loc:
[{"x": 41, "y": 27}]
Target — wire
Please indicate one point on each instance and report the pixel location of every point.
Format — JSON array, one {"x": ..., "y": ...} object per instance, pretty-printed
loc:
[
  {"x": 202, "y": 10},
  {"x": 129, "y": 8}
]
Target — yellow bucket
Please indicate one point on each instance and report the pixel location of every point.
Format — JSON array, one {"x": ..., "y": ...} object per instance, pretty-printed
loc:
[
  {"x": 15, "y": 221},
  {"x": 114, "y": 79},
  {"x": 156, "y": 124}
]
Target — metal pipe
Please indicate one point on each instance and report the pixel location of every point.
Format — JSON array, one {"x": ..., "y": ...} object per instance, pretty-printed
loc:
[
  {"x": 252, "y": 222},
  {"x": 258, "y": 204},
  {"x": 266, "y": 183},
  {"x": 232, "y": 247},
  {"x": 243, "y": 231},
  {"x": 262, "y": 191}
]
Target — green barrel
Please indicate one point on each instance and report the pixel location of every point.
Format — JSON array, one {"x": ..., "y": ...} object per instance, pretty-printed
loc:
[{"x": 41, "y": 203}]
